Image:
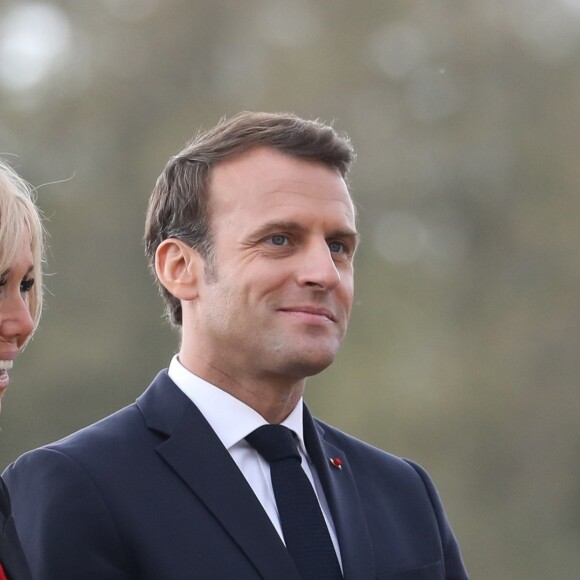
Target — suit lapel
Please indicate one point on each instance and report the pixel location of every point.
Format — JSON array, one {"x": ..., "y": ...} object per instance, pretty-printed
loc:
[
  {"x": 344, "y": 503},
  {"x": 196, "y": 454},
  {"x": 12, "y": 560}
]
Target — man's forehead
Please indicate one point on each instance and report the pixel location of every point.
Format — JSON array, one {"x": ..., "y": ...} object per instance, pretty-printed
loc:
[{"x": 275, "y": 179}]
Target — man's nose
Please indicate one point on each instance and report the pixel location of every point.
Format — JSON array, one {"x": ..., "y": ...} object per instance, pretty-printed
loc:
[{"x": 318, "y": 268}]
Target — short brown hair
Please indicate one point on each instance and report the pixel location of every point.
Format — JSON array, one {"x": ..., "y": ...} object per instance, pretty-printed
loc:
[{"x": 179, "y": 204}]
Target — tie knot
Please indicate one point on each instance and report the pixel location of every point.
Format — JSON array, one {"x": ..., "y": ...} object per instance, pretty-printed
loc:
[{"x": 274, "y": 443}]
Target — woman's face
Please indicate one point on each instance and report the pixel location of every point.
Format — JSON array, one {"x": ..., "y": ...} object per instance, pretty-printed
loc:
[{"x": 16, "y": 323}]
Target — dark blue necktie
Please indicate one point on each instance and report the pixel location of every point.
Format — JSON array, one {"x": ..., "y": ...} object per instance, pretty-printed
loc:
[{"x": 305, "y": 531}]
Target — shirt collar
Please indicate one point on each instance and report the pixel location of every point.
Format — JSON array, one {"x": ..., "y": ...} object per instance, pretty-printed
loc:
[{"x": 231, "y": 419}]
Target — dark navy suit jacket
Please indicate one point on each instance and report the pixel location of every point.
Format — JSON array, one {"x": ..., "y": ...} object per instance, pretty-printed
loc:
[
  {"x": 11, "y": 554},
  {"x": 150, "y": 493}
]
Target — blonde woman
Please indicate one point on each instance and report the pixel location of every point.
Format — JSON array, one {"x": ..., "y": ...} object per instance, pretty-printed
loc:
[{"x": 20, "y": 306}]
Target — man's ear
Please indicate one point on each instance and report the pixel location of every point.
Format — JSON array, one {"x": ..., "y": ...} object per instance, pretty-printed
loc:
[{"x": 178, "y": 267}]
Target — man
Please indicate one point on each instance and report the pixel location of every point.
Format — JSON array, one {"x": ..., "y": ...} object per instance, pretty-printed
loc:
[{"x": 251, "y": 233}]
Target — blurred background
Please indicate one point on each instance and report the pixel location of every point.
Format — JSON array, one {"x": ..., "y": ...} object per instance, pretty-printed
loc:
[{"x": 464, "y": 346}]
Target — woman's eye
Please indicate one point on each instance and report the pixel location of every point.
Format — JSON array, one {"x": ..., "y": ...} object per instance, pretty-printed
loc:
[{"x": 26, "y": 285}]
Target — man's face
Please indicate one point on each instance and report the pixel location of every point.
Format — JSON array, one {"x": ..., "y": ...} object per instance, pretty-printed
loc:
[{"x": 277, "y": 301}]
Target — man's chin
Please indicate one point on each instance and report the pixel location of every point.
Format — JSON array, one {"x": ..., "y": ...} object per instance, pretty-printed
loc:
[{"x": 311, "y": 365}]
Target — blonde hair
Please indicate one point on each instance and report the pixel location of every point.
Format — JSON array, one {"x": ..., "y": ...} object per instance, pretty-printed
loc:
[{"x": 19, "y": 217}]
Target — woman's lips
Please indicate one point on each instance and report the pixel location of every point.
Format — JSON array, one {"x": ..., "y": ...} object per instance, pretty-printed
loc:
[{"x": 5, "y": 366}]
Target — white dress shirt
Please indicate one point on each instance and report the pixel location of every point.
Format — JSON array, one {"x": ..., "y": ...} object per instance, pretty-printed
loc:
[{"x": 232, "y": 421}]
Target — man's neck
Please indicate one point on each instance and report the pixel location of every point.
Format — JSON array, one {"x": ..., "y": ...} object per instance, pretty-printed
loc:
[{"x": 273, "y": 397}]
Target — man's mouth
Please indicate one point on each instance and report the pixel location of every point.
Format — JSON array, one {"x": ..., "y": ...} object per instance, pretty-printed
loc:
[{"x": 311, "y": 310}]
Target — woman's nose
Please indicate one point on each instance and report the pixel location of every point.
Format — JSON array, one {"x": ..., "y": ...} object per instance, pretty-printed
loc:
[{"x": 15, "y": 319}]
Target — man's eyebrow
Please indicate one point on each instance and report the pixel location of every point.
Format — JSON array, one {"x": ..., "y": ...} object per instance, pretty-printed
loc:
[
  {"x": 277, "y": 226},
  {"x": 346, "y": 234},
  {"x": 291, "y": 226}
]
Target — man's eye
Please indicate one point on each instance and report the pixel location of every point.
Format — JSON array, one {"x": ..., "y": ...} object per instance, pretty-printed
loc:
[
  {"x": 279, "y": 240},
  {"x": 337, "y": 247}
]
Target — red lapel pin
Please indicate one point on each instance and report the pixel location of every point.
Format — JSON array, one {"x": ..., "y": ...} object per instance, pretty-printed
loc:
[{"x": 336, "y": 462}]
